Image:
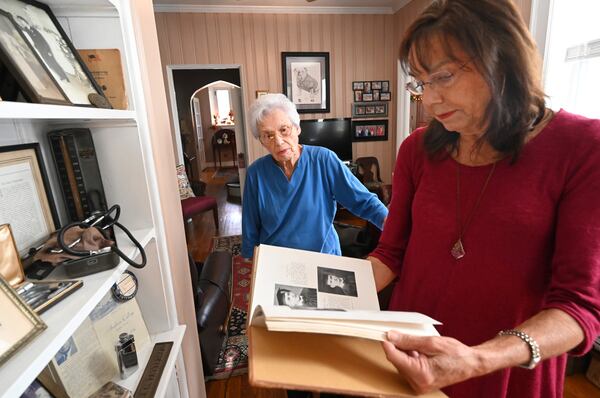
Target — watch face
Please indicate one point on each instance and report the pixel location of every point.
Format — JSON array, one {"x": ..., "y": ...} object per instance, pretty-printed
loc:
[{"x": 126, "y": 287}]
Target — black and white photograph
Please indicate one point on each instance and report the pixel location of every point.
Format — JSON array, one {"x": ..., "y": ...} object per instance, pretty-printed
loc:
[
  {"x": 42, "y": 31},
  {"x": 376, "y": 85},
  {"x": 385, "y": 86},
  {"x": 34, "y": 79},
  {"x": 306, "y": 80},
  {"x": 295, "y": 296},
  {"x": 376, "y": 95},
  {"x": 385, "y": 96},
  {"x": 336, "y": 281}
]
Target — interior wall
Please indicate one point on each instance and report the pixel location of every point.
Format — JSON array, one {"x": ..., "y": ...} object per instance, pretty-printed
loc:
[{"x": 361, "y": 47}]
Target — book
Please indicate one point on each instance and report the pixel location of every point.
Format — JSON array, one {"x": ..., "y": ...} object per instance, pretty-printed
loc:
[{"x": 314, "y": 323}]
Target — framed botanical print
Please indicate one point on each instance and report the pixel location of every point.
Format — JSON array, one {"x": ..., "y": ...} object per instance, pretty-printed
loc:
[
  {"x": 40, "y": 29},
  {"x": 24, "y": 64},
  {"x": 306, "y": 80}
]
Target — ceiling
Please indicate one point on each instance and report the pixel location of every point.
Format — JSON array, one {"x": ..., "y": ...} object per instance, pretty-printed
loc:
[{"x": 391, "y": 5}]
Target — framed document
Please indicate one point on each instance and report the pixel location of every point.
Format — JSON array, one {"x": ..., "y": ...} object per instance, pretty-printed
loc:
[
  {"x": 18, "y": 323},
  {"x": 25, "y": 202}
]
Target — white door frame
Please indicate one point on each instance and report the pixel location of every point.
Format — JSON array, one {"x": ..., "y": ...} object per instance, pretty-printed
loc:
[
  {"x": 403, "y": 109},
  {"x": 170, "y": 80}
]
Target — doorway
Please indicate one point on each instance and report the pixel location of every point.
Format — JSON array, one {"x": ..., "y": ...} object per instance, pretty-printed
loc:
[{"x": 197, "y": 92}]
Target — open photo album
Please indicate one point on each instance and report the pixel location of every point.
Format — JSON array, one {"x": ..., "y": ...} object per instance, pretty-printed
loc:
[{"x": 314, "y": 324}]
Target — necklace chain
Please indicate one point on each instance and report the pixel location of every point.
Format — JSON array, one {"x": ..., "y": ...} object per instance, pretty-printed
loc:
[{"x": 458, "y": 250}]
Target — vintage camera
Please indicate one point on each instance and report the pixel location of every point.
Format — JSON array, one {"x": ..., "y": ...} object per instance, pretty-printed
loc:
[{"x": 126, "y": 355}]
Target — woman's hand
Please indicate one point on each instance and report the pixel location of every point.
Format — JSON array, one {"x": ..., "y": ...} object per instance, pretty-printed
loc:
[{"x": 429, "y": 363}]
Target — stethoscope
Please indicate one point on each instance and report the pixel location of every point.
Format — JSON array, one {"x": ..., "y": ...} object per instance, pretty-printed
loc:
[{"x": 92, "y": 221}]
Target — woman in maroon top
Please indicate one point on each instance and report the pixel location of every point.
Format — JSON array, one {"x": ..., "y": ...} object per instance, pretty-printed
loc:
[{"x": 494, "y": 222}]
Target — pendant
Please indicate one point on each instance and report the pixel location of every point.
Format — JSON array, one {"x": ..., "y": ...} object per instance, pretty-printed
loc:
[{"x": 458, "y": 251}]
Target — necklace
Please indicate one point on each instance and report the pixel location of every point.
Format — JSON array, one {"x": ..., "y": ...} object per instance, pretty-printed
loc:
[{"x": 458, "y": 250}]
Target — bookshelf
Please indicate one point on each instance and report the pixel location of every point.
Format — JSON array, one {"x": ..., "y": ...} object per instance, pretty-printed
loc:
[{"x": 138, "y": 174}]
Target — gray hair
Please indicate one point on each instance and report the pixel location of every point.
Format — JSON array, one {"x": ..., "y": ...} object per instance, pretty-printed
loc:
[{"x": 265, "y": 105}]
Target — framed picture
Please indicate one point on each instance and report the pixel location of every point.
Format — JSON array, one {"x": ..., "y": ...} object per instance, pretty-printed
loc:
[
  {"x": 18, "y": 323},
  {"x": 367, "y": 97},
  {"x": 260, "y": 93},
  {"x": 36, "y": 82},
  {"x": 370, "y": 130},
  {"x": 385, "y": 86},
  {"x": 26, "y": 203},
  {"x": 367, "y": 87},
  {"x": 371, "y": 109},
  {"x": 358, "y": 86},
  {"x": 376, "y": 85},
  {"x": 376, "y": 94},
  {"x": 358, "y": 96},
  {"x": 385, "y": 96},
  {"x": 306, "y": 80},
  {"x": 49, "y": 41}
]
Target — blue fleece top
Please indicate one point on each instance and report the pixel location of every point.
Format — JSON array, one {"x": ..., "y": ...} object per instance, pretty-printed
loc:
[{"x": 299, "y": 213}]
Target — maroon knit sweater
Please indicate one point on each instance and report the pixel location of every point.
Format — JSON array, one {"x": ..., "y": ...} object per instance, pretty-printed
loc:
[{"x": 533, "y": 243}]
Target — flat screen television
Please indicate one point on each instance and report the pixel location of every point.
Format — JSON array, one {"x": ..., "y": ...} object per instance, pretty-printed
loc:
[{"x": 334, "y": 134}]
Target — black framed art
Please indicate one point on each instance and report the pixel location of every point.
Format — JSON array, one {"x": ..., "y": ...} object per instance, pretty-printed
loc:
[
  {"x": 369, "y": 109},
  {"x": 25, "y": 66},
  {"x": 43, "y": 33},
  {"x": 370, "y": 130},
  {"x": 306, "y": 80}
]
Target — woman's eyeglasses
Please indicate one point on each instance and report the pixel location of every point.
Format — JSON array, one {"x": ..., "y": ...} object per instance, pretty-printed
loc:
[
  {"x": 437, "y": 80},
  {"x": 283, "y": 132}
]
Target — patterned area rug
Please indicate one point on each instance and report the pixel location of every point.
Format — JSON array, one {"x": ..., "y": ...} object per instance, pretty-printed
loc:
[{"x": 233, "y": 358}]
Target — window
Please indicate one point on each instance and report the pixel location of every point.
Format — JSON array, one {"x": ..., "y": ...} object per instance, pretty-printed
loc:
[
  {"x": 572, "y": 54},
  {"x": 223, "y": 106}
]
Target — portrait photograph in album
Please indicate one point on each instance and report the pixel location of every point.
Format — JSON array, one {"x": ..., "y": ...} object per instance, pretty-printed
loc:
[{"x": 337, "y": 330}]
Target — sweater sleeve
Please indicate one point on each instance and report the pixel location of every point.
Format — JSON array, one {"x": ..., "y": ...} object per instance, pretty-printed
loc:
[
  {"x": 250, "y": 215},
  {"x": 353, "y": 195},
  {"x": 394, "y": 239},
  {"x": 575, "y": 283}
]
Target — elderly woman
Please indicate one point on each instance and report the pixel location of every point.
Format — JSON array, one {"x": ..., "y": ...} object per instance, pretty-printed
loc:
[
  {"x": 494, "y": 225},
  {"x": 290, "y": 195}
]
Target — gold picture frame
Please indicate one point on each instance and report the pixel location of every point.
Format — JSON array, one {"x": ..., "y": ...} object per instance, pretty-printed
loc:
[
  {"x": 260, "y": 93},
  {"x": 18, "y": 323},
  {"x": 32, "y": 215}
]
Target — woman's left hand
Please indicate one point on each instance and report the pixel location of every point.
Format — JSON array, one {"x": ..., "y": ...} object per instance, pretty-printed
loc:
[{"x": 431, "y": 362}]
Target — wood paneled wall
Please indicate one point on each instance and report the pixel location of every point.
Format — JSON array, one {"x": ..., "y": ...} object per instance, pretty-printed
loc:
[{"x": 361, "y": 47}]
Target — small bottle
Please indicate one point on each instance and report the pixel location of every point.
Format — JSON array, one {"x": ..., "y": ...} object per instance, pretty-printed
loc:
[{"x": 126, "y": 355}]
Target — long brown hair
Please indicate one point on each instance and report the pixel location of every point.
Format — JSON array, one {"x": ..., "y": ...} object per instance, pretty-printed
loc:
[{"x": 496, "y": 39}]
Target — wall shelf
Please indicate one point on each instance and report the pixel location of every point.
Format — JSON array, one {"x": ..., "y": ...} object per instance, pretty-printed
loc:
[
  {"x": 62, "y": 320},
  {"x": 63, "y": 113}
]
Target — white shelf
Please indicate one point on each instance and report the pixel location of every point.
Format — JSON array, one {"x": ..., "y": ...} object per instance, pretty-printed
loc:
[
  {"x": 62, "y": 321},
  {"x": 44, "y": 112},
  {"x": 176, "y": 336}
]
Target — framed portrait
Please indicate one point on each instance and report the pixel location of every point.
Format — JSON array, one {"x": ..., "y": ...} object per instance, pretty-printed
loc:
[
  {"x": 358, "y": 96},
  {"x": 358, "y": 110},
  {"x": 385, "y": 96},
  {"x": 306, "y": 80},
  {"x": 370, "y": 130},
  {"x": 358, "y": 86},
  {"x": 18, "y": 323},
  {"x": 260, "y": 93},
  {"x": 34, "y": 79},
  {"x": 43, "y": 33},
  {"x": 367, "y": 87},
  {"x": 376, "y": 95},
  {"x": 25, "y": 200},
  {"x": 367, "y": 97},
  {"x": 376, "y": 85},
  {"x": 370, "y": 110}
]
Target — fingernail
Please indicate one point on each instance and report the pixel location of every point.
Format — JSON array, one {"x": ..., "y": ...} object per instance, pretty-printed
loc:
[{"x": 392, "y": 335}]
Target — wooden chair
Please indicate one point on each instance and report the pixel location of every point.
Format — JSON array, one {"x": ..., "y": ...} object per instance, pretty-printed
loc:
[
  {"x": 200, "y": 203},
  {"x": 368, "y": 173}
]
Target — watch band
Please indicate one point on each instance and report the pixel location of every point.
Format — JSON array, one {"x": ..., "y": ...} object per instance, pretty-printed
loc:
[{"x": 534, "y": 348}]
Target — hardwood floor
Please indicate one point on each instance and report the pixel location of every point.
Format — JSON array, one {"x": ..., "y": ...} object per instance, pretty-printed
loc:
[{"x": 200, "y": 233}]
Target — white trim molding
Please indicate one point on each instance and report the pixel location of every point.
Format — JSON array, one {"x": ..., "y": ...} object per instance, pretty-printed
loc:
[{"x": 227, "y": 9}]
